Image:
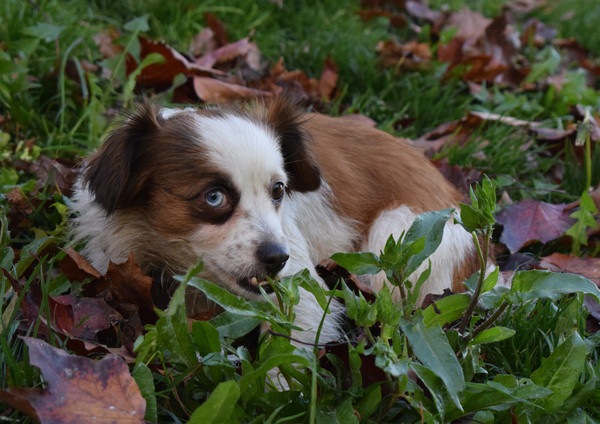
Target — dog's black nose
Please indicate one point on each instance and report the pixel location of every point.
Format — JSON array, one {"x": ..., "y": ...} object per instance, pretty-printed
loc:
[{"x": 273, "y": 256}]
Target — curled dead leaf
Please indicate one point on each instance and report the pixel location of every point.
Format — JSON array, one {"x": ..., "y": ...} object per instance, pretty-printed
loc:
[
  {"x": 78, "y": 390},
  {"x": 530, "y": 220}
]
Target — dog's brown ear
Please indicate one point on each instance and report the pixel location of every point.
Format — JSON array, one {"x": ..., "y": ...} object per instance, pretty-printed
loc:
[
  {"x": 111, "y": 172},
  {"x": 286, "y": 118}
]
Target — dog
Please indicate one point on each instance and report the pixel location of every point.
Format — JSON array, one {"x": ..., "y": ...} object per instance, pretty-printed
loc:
[{"x": 259, "y": 192}]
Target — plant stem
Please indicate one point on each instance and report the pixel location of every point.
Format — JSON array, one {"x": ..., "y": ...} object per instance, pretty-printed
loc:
[
  {"x": 482, "y": 268},
  {"x": 588, "y": 162},
  {"x": 491, "y": 319}
]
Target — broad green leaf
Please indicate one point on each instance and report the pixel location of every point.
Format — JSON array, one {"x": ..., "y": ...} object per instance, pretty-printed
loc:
[
  {"x": 560, "y": 371},
  {"x": 359, "y": 263},
  {"x": 44, "y": 31},
  {"x": 314, "y": 287},
  {"x": 529, "y": 285},
  {"x": 138, "y": 24},
  {"x": 219, "y": 406},
  {"x": 344, "y": 412},
  {"x": 257, "y": 376},
  {"x": 370, "y": 401},
  {"x": 8, "y": 67},
  {"x": 497, "y": 397},
  {"x": 206, "y": 337},
  {"x": 234, "y": 326},
  {"x": 32, "y": 252},
  {"x": 432, "y": 349},
  {"x": 446, "y": 310},
  {"x": 229, "y": 301},
  {"x": 434, "y": 384},
  {"x": 491, "y": 335},
  {"x": 428, "y": 227},
  {"x": 358, "y": 309},
  {"x": 173, "y": 331},
  {"x": 143, "y": 377}
]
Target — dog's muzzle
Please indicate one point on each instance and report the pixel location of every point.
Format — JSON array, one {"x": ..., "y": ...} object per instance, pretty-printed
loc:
[{"x": 272, "y": 257}]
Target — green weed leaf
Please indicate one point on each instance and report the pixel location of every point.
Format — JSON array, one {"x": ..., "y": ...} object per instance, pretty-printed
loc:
[
  {"x": 234, "y": 326},
  {"x": 530, "y": 285},
  {"x": 585, "y": 220},
  {"x": 446, "y": 310},
  {"x": 219, "y": 407},
  {"x": 143, "y": 377},
  {"x": 44, "y": 31},
  {"x": 432, "y": 349},
  {"x": 560, "y": 371},
  {"x": 480, "y": 213},
  {"x": 137, "y": 25},
  {"x": 491, "y": 335},
  {"x": 428, "y": 229},
  {"x": 359, "y": 263}
]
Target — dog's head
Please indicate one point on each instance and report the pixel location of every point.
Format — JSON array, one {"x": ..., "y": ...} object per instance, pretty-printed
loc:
[{"x": 213, "y": 181}]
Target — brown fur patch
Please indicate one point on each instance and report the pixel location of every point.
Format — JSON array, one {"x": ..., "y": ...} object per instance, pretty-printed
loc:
[{"x": 370, "y": 171}]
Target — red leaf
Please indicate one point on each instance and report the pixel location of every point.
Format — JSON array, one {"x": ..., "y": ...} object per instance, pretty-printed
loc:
[
  {"x": 530, "y": 221},
  {"x": 328, "y": 80},
  {"x": 78, "y": 390},
  {"x": 588, "y": 267},
  {"x": 160, "y": 75}
]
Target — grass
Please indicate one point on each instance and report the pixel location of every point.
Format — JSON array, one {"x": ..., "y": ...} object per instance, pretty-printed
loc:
[{"x": 49, "y": 106}]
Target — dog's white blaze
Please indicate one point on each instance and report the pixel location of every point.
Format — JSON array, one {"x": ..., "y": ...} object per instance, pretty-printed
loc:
[{"x": 248, "y": 152}]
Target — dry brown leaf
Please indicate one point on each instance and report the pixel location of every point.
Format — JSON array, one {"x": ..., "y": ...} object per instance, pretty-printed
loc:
[
  {"x": 105, "y": 40},
  {"x": 328, "y": 80},
  {"x": 77, "y": 268},
  {"x": 78, "y": 390},
  {"x": 160, "y": 75},
  {"x": 470, "y": 26},
  {"x": 588, "y": 267},
  {"x": 211, "y": 90},
  {"x": 530, "y": 220},
  {"x": 128, "y": 284},
  {"x": 226, "y": 53}
]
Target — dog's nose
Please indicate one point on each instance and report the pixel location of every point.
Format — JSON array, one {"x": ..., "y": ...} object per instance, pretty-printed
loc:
[{"x": 273, "y": 256}]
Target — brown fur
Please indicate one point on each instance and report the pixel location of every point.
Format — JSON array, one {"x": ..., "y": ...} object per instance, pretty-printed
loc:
[{"x": 370, "y": 171}]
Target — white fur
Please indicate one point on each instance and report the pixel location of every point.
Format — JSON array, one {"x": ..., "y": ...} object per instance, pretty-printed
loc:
[{"x": 449, "y": 255}]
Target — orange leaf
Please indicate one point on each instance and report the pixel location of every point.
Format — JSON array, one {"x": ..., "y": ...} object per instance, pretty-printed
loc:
[
  {"x": 588, "y": 267},
  {"x": 211, "y": 90},
  {"x": 78, "y": 390}
]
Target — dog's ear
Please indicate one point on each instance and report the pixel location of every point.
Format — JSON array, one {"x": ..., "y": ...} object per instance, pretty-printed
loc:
[
  {"x": 111, "y": 172},
  {"x": 286, "y": 118}
]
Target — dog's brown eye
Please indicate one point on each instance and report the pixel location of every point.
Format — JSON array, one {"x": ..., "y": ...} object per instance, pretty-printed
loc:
[
  {"x": 278, "y": 191},
  {"x": 215, "y": 198}
]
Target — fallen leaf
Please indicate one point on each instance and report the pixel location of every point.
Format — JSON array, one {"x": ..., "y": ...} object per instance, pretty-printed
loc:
[
  {"x": 77, "y": 268},
  {"x": 530, "y": 220},
  {"x": 129, "y": 284},
  {"x": 160, "y": 76},
  {"x": 78, "y": 390},
  {"x": 224, "y": 54},
  {"x": 328, "y": 80},
  {"x": 105, "y": 40},
  {"x": 211, "y": 90},
  {"x": 587, "y": 267},
  {"x": 89, "y": 316}
]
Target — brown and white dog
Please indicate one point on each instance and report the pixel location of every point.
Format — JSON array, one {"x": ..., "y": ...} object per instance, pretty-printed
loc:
[{"x": 259, "y": 192}]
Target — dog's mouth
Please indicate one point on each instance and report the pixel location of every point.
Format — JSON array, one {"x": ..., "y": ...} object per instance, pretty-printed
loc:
[{"x": 254, "y": 284}]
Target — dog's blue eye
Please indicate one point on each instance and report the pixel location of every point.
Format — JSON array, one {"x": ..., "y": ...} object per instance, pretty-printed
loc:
[{"x": 215, "y": 198}]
